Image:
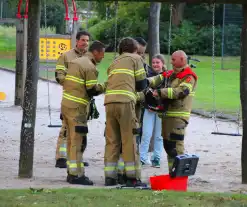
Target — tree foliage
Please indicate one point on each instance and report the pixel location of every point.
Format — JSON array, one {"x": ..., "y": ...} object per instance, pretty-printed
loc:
[{"x": 194, "y": 34}]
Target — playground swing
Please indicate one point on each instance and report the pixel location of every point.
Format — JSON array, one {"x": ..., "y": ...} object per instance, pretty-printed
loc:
[
  {"x": 217, "y": 132},
  {"x": 75, "y": 19}
]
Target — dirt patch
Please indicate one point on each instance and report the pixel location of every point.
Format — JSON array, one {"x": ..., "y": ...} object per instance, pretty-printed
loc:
[{"x": 218, "y": 168}]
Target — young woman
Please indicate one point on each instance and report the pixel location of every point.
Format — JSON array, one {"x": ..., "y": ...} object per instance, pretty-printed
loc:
[{"x": 151, "y": 126}]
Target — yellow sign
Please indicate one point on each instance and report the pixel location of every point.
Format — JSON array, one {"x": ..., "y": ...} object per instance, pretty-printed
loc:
[{"x": 53, "y": 46}]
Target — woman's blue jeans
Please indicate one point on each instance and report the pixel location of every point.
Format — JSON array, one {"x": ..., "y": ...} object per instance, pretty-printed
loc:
[{"x": 151, "y": 126}]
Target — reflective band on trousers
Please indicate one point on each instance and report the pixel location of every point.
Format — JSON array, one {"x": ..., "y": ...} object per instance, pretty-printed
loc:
[
  {"x": 60, "y": 67},
  {"x": 110, "y": 168},
  {"x": 74, "y": 79},
  {"x": 121, "y": 92},
  {"x": 177, "y": 114},
  {"x": 63, "y": 150},
  {"x": 121, "y": 164},
  {"x": 75, "y": 99},
  {"x": 73, "y": 165},
  {"x": 130, "y": 168}
]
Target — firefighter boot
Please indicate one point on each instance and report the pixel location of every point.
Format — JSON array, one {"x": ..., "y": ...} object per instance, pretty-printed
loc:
[
  {"x": 132, "y": 183},
  {"x": 110, "y": 181},
  {"x": 121, "y": 179},
  {"x": 61, "y": 163},
  {"x": 83, "y": 180}
]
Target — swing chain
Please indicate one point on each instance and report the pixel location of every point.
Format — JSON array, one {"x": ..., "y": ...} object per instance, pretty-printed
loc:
[
  {"x": 213, "y": 65},
  {"x": 170, "y": 36},
  {"x": 115, "y": 32},
  {"x": 46, "y": 65}
]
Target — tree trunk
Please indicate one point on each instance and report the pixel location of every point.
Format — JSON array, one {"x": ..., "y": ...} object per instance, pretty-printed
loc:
[
  {"x": 178, "y": 13},
  {"x": 30, "y": 92},
  {"x": 153, "y": 29},
  {"x": 243, "y": 94}
]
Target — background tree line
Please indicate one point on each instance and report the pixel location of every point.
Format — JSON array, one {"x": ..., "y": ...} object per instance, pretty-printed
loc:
[{"x": 191, "y": 24}]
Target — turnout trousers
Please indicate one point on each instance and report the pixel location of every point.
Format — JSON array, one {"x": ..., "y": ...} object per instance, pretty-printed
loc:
[
  {"x": 61, "y": 151},
  {"x": 76, "y": 121},
  {"x": 173, "y": 131},
  {"x": 122, "y": 128},
  {"x": 138, "y": 111}
]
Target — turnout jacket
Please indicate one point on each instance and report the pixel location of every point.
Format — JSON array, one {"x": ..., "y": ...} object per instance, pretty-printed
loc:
[
  {"x": 80, "y": 83},
  {"x": 126, "y": 76},
  {"x": 62, "y": 64},
  {"x": 179, "y": 92}
]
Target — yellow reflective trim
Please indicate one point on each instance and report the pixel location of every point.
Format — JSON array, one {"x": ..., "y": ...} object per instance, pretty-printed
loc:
[
  {"x": 177, "y": 114},
  {"x": 60, "y": 67},
  {"x": 186, "y": 85},
  {"x": 140, "y": 72},
  {"x": 121, "y": 164},
  {"x": 170, "y": 93},
  {"x": 161, "y": 77},
  {"x": 110, "y": 168},
  {"x": 75, "y": 99},
  {"x": 121, "y": 92},
  {"x": 91, "y": 82},
  {"x": 73, "y": 165},
  {"x": 192, "y": 94},
  {"x": 62, "y": 149},
  {"x": 130, "y": 168},
  {"x": 122, "y": 71},
  {"x": 74, "y": 79}
]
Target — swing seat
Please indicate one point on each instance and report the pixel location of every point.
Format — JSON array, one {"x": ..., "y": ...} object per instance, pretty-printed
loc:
[{"x": 54, "y": 126}]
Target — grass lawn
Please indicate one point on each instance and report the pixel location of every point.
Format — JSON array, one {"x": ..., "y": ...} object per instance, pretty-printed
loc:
[
  {"x": 118, "y": 198},
  {"x": 227, "y": 96}
]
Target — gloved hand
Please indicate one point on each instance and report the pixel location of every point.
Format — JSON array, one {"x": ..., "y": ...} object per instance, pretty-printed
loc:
[
  {"x": 93, "y": 112},
  {"x": 150, "y": 99}
]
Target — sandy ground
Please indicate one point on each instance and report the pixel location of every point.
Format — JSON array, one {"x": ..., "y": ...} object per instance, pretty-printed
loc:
[{"x": 218, "y": 169}]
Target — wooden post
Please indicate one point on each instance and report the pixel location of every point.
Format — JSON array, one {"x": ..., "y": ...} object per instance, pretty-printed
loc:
[
  {"x": 19, "y": 63},
  {"x": 30, "y": 93},
  {"x": 153, "y": 30},
  {"x": 243, "y": 93}
]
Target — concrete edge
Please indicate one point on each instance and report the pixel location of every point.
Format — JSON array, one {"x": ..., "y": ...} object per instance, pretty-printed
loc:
[{"x": 198, "y": 112}]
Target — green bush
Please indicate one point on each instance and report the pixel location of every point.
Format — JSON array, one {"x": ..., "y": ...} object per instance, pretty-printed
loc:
[{"x": 93, "y": 21}]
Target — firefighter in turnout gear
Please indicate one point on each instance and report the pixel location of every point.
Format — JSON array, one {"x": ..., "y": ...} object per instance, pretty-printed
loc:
[
  {"x": 141, "y": 48},
  {"x": 82, "y": 41},
  {"x": 80, "y": 85},
  {"x": 178, "y": 95},
  {"x": 126, "y": 76}
]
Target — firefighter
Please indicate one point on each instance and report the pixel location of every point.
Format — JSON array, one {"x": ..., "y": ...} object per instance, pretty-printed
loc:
[
  {"x": 178, "y": 95},
  {"x": 80, "y": 85},
  {"x": 126, "y": 75},
  {"x": 141, "y": 49},
  {"x": 82, "y": 42}
]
